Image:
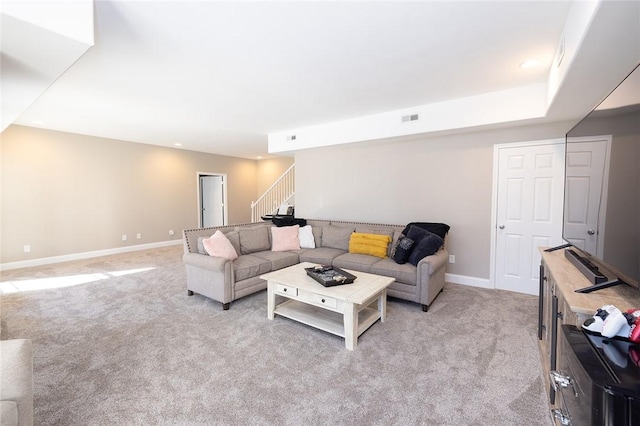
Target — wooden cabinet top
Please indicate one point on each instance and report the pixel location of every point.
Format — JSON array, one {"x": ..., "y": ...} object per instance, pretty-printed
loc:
[{"x": 568, "y": 279}]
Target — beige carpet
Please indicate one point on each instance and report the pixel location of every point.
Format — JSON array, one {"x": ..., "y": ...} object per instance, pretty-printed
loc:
[{"x": 118, "y": 341}]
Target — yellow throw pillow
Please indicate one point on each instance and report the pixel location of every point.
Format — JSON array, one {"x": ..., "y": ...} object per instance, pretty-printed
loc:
[{"x": 371, "y": 244}]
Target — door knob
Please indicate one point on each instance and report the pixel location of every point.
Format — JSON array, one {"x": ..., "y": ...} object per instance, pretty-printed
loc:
[
  {"x": 501, "y": 226},
  {"x": 591, "y": 232}
]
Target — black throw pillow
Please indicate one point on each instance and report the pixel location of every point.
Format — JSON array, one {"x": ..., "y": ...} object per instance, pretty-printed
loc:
[
  {"x": 403, "y": 249},
  {"x": 440, "y": 229},
  {"x": 427, "y": 246},
  {"x": 416, "y": 233}
]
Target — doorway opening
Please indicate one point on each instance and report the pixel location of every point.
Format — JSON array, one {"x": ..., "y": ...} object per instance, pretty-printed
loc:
[{"x": 212, "y": 199}]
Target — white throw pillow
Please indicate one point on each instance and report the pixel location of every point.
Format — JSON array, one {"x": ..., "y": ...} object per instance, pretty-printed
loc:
[
  {"x": 218, "y": 245},
  {"x": 306, "y": 237}
]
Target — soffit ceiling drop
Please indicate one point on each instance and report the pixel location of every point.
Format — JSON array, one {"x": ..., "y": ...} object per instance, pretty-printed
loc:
[{"x": 220, "y": 76}]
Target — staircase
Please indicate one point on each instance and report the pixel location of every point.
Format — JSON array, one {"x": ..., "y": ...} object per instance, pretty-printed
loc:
[{"x": 282, "y": 191}]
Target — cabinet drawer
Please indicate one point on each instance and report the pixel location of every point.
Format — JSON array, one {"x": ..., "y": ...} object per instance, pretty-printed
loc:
[
  {"x": 286, "y": 290},
  {"x": 324, "y": 300}
]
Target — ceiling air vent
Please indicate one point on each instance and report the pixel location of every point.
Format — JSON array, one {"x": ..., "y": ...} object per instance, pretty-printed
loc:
[
  {"x": 291, "y": 137},
  {"x": 412, "y": 117}
]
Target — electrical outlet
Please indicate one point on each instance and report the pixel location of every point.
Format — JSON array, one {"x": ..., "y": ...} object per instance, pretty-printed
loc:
[
  {"x": 138, "y": 236},
  {"x": 27, "y": 249},
  {"x": 124, "y": 237},
  {"x": 452, "y": 258}
]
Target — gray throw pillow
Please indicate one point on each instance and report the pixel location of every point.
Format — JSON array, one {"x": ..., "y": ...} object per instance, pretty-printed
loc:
[
  {"x": 234, "y": 238},
  {"x": 317, "y": 235},
  {"x": 201, "y": 245},
  {"x": 336, "y": 237},
  {"x": 254, "y": 239}
]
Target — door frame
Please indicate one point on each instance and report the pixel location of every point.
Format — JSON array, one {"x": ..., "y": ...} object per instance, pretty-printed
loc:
[
  {"x": 494, "y": 195},
  {"x": 225, "y": 216}
]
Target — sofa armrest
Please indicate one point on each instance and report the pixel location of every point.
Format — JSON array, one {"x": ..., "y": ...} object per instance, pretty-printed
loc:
[
  {"x": 433, "y": 262},
  {"x": 211, "y": 263},
  {"x": 431, "y": 273},
  {"x": 210, "y": 276}
]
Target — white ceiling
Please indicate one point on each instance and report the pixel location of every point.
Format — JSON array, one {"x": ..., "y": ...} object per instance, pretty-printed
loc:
[{"x": 220, "y": 76}]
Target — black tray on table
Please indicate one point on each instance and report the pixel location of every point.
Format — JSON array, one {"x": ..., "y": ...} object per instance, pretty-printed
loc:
[{"x": 329, "y": 276}]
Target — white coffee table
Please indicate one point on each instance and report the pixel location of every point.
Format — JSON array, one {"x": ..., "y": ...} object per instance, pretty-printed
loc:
[{"x": 345, "y": 310}]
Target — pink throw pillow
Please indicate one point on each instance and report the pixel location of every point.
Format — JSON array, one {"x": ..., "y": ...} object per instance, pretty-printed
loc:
[
  {"x": 218, "y": 245},
  {"x": 285, "y": 238}
]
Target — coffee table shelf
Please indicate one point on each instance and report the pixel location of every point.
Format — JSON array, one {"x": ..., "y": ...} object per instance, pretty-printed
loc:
[{"x": 323, "y": 319}]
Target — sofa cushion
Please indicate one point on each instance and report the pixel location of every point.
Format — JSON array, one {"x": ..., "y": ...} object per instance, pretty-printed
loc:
[
  {"x": 201, "y": 249},
  {"x": 249, "y": 266},
  {"x": 394, "y": 241},
  {"x": 279, "y": 259},
  {"x": 356, "y": 262},
  {"x": 317, "y": 235},
  {"x": 373, "y": 230},
  {"x": 321, "y": 255},
  {"x": 371, "y": 244},
  {"x": 254, "y": 239},
  {"x": 234, "y": 239},
  {"x": 285, "y": 238},
  {"x": 428, "y": 245},
  {"x": 316, "y": 228},
  {"x": 405, "y": 273},
  {"x": 305, "y": 237},
  {"x": 219, "y": 246},
  {"x": 336, "y": 237},
  {"x": 402, "y": 250},
  {"x": 232, "y": 236}
]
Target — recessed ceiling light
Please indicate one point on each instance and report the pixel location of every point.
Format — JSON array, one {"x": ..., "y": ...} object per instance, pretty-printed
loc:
[
  {"x": 37, "y": 122},
  {"x": 177, "y": 144},
  {"x": 259, "y": 157},
  {"x": 529, "y": 63}
]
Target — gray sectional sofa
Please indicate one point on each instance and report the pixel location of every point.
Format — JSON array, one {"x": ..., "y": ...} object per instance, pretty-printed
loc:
[{"x": 228, "y": 280}]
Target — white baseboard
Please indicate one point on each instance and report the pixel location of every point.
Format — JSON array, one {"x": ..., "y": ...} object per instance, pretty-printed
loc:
[
  {"x": 466, "y": 280},
  {"x": 86, "y": 255}
]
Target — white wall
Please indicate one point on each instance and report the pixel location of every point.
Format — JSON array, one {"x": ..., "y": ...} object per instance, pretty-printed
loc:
[{"x": 427, "y": 179}]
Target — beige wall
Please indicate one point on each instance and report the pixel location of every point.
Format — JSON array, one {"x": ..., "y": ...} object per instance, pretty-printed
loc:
[
  {"x": 270, "y": 170},
  {"x": 64, "y": 193},
  {"x": 437, "y": 179}
]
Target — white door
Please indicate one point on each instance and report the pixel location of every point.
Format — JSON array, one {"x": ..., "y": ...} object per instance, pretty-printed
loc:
[
  {"x": 585, "y": 203},
  {"x": 530, "y": 189},
  {"x": 211, "y": 188}
]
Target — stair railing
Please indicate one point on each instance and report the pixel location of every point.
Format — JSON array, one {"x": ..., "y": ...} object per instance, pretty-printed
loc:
[{"x": 280, "y": 192}]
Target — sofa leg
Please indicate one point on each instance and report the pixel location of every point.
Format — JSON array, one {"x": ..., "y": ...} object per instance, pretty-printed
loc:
[
  {"x": 225, "y": 306},
  {"x": 425, "y": 308},
  {"x": 189, "y": 293}
]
